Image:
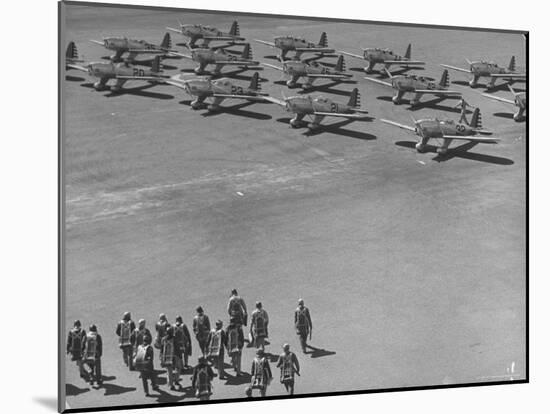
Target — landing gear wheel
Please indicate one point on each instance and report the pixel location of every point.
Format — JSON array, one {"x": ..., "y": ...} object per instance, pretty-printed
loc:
[
  {"x": 294, "y": 123},
  {"x": 98, "y": 86},
  {"x": 420, "y": 148}
]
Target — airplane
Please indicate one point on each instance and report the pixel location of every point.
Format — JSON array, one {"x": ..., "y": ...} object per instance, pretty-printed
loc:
[
  {"x": 311, "y": 71},
  {"x": 448, "y": 130},
  {"x": 121, "y": 72},
  {"x": 134, "y": 47},
  {"x": 520, "y": 100},
  {"x": 419, "y": 85},
  {"x": 219, "y": 57},
  {"x": 384, "y": 56},
  {"x": 318, "y": 108},
  {"x": 207, "y": 33},
  {"x": 71, "y": 57},
  {"x": 299, "y": 45},
  {"x": 484, "y": 69},
  {"x": 219, "y": 89}
]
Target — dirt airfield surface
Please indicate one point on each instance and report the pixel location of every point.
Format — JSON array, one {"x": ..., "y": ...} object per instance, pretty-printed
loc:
[{"x": 412, "y": 265}]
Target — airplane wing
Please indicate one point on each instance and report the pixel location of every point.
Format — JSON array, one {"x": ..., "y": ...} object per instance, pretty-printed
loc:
[
  {"x": 335, "y": 114},
  {"x": 407, "y": 127},
  {"x": 350, "y": 54},
  {"x": 456, "y": 68},
  {"x": 404, "y": 62},
  {"x": 174, "y": 30},
  {"x": 237, "y": 62},
  {"x": 174, "y": 83},
  {"x": 315, "y": 49},
  {"x": 144, "y": 78},
  {"x": 381, "y": 82},
  {"x": 271, "y": 66},
  {"x": 97, "y": 42},
  {"x": 328, "y": 76},
  {"x": 77, "y": 67},
  {"x": 498, "y": 98},
  {"x": 231, "y": 96},
  {"x": 222, "y": 38},
  {"x": 265, "y": 43},
  {"x": 181, "y": 55},
  {"x": 472, "y": 139},
  {"x": 509, "y": 75},
  {"x": 275, "y": 100},
  {"x": 151, "y": 51},
  {"x": 438, "y": 92}
]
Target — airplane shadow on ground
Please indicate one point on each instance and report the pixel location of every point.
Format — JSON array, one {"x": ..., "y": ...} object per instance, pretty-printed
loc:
[
  {"x": 235, "y": 74},
  {"x": 328, "y": 88},
  {"x": 467, "y": 84},
  {"x": 432, "y": 104},
  {"x": 504, "y": 87},
  {"x": 498, "y": 87},
  {"x": 461, "y": 151},
  {"x": 74, "y": 78},
  {"x": 382, "y": 75},
  {"x": 318, "y": 352},
  {"x": 73, "y": 390},
  {"x": 508, "y": 115},
  {"x": 237, "y": 110},
  {"x": 137, "y": 91},
  {"x": 337, "y": 129}
]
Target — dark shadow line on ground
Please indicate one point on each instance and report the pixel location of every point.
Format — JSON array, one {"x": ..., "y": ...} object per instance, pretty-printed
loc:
[
  {"x": 461, "y": 151},
  {"x": 319, "y": 352},
  {"x": 73, "y": 390},
  {"x": 74, "y": 78}
]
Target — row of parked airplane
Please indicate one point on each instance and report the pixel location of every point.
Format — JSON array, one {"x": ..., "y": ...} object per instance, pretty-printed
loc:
[{"x": 317, "y": 108}]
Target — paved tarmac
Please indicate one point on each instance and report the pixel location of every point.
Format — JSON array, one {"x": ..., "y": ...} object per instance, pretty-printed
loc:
[{"x": 413, "y": 265}]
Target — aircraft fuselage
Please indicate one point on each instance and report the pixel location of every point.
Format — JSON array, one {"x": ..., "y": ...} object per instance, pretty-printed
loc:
[
  {"x": 377, "y": 55},
  {"x": 291, "y": 43},
  {"x": 410, "y": 83},
  {"x": 435, "y": 128},
  {"x": 306, "y": 105},
  {"x": 485, "y": 69}
]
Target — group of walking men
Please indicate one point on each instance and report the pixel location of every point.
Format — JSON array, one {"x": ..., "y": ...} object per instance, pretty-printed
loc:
[{"x": 174, "y": 344}]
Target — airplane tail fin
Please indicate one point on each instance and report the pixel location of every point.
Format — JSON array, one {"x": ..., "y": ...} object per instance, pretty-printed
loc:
[
  {"x": 354, "y": 99},
  {"x": 156, "y": 66},
  {"x": 444, "y": 82},
  {"x": 408, "y": 52},
  {"x": 512, "y": 65},
  {"x": 323, "y": 41},
  {"x": 247, "y": 52},
  {"x": 166, "y": 41},
  {"x": 255, "y": 82},
  {"x": 475, "y": 122},
  {"x": 340, "y": 64},
  {"x": 72, "y": 52},
  {"x": 235, "y": 31}
]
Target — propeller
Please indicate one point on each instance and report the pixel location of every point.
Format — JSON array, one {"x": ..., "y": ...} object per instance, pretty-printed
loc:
[{"x": 417, "y": 127}]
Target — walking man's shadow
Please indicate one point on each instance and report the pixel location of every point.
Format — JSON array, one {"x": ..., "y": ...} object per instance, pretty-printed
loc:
[{"x": 318, "y": 352}]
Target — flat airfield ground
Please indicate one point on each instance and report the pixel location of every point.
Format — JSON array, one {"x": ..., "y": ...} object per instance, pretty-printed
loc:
[{"x": 413, "y": 269}]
